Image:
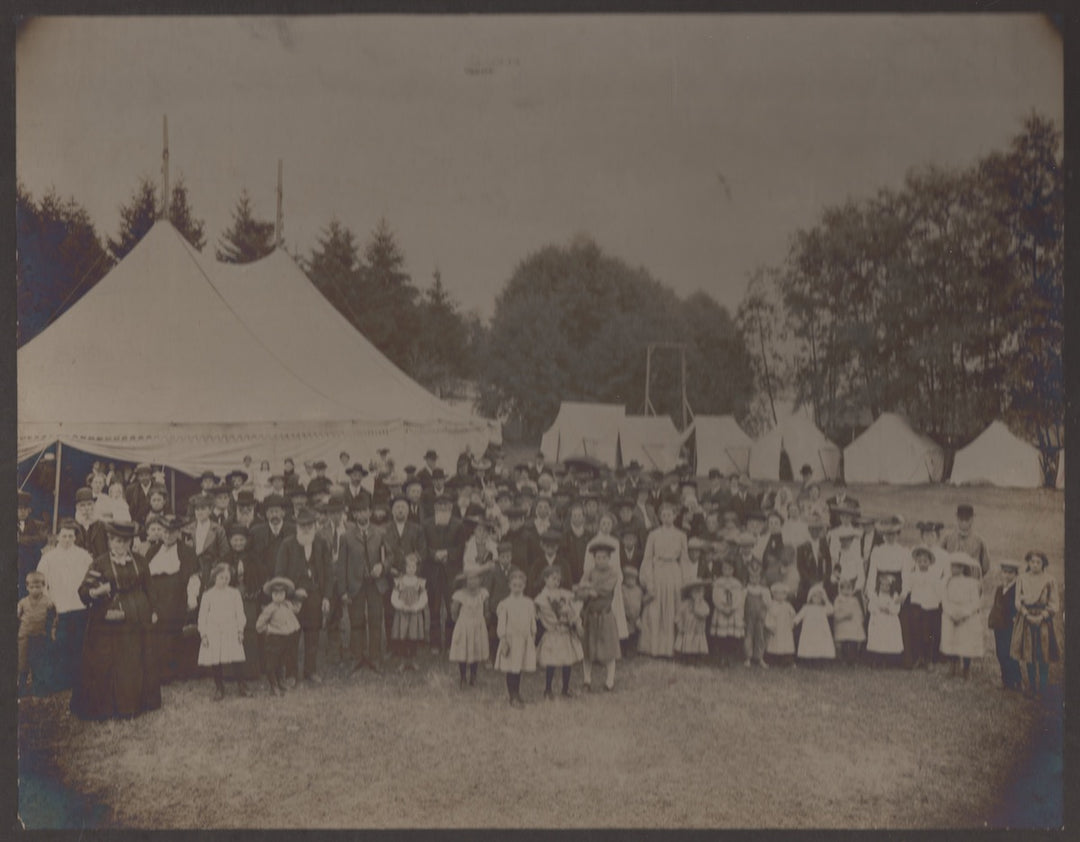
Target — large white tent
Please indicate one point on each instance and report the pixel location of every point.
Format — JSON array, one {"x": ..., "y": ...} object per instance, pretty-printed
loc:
[
  {"x": 804, "y": 443},
  {"x": 174, "y": 359},
  {"x": 651, "y": 440},
  {"x": 998, "y": 457},
  {"x": 721, "y": 444},
  {"x": 584, "y": 429},
  {"x": 890, "y": 451}
]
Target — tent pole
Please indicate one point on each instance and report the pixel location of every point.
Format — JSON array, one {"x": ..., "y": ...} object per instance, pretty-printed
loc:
[{"x": 56, "y": 487}]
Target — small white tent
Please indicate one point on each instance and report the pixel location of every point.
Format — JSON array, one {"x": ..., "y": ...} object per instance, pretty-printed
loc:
[
  {"x": 651, "y": 440},
  {"x": 998, "y": 457},
  {"x": 721, "y": 444},
  {"x": 584, "y": 429},
  {"x": 804, "y": 444},
  {"x": 890, "y": 451},
  {"x": 1060, "y": 482}
]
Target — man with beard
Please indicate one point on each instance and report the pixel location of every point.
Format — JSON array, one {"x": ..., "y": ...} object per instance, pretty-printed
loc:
[
  {"x": 333, "y": 532},
  {"x": 575, "y": 540},
  {"x": 268, "y": 536},
  {"x": 354, "y": 488},
  {"x": 426, "y": 474},
  {"x": 304, "y": 559},
  {"x": 401, "y": 537},
  {"x": 361, "y": 583},
  {"x": 245, "y": 509},
  {"x": 432, "y": 493},
  {"x": 320, "y": 483},
  {"x": 414, "y": 490},
  {"x": 445, "y": 540}
]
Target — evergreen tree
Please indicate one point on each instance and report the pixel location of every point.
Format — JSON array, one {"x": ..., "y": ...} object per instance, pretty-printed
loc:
[
  {"x": 139, "y": 214},
  {"x": 249, "y": 238}
]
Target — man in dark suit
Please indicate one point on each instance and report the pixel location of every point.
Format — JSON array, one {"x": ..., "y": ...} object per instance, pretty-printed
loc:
[
  {"x": 354, "y": 489},
  {"x": 840, "y": 500},
  {"x": 137, "y": 494},
  {"x": 742, "y": 500},
  {"x": 208, "y": 539},
  {"x": 333, "y": 532},
  {"x": 320, "y": 483},
  {"x": 814, "y": 561},
  {"x": 426, "y": 473},
  {"x": 89, "y": 533},
  {"x": 304, "y": 558},
  {"x": 361, "y": 570},
  {"x": 574, "y": 542},
  {"x": 268, "y": 535},
  {"x": 444, "y": 537},
  {"x": 551, "y": 555},
  {"x": 414, "y": 491},
  {"x": 436, "y": 489}
]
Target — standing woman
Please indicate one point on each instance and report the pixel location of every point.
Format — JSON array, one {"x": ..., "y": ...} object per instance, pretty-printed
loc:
[
  {"x": 1034, "y": 642},
  {"x": 665, "y": 565},
  {"x": 114, "y": 681},
  {"x": 171, "y": 566}
]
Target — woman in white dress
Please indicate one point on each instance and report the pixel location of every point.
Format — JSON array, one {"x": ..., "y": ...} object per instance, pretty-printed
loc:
[{"x": 664, "y": 568}]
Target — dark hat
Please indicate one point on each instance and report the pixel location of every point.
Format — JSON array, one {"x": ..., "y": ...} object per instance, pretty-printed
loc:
[
  {"x": 805, "y": 471},
  {"x": 601, "y": 544},
  {"x": 686, "y": 589},
  {"x": 298, "y": 491},
  {"x": 68, "y": 523},
  {"x": 431, "y": 454},
  {"x": 172, "y": 523},
  {"x": 355, "y": 467},
  {"x": 122, "y": 528},
  {"x": 278, "y": 583},
  {"x": 409, "y": 471},
  {"x": 382, "y": 451},
  {"x": 208, "y": 475},
  {"x": 361, "y": 502},
  {"x": 273, "y": 501},
  {"x": 965, "y": 511},
  {"x": 305, "y": 517},
  {"x": 277, "y": 476},
  {"x": 245, "y": 498},
  {"x": 319, "y": 465},
  {"x": 889, "y": 525},
  {"x": 83, "y": 495},
  {"x": 219, "y": 489},
  {"x": 624, "y": 503},
  {"x": 1014, "y": 566},
  {"x": 438, "y": 473},
  {"x": 444, "y": 500},
  {"x": 237, "y": 473},
  {"x": 332, "y": 507},
  {"x": 634, "y": 465},
  {"x": 517, "y": 512},
  {"x": 551, "y": 536},
  {"x": 24, "y": 498},
  {"x": 757, "y": 514},
  {"x": 201, "y": 501},
  {"x": 143, "y": 468},
  {"x": 238, "y": 529}
]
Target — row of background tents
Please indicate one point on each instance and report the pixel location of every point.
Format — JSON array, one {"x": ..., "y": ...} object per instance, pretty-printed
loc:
[{"x": 888, "y": 451}]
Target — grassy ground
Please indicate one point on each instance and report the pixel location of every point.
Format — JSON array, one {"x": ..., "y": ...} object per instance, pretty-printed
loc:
[{"x": 672, "y": 746}]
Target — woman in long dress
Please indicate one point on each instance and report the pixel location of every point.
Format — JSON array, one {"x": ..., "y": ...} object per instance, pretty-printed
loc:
[
  {"x": 664, "y": 568},
  {"x": 114, "y": 678}
]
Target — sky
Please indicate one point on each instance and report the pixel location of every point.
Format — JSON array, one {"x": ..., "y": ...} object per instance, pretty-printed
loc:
[{"x": 694, "y": 146}]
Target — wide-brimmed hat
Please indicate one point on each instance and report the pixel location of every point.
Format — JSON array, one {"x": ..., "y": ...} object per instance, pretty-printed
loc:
[
  {"x": 965, "y": 511},
  {"x": 778, "y": 587},
  {"x": 686, "y": 589},
  {"x": 1014, "y": 566},
  {"x": 965, "y": 560},
  {"x": 245, "y": 498},
  {"x": 236, "y": 473},
  {"x": 305, "y": 517},
  {"x": 208, "y": 475},
  {"x": 889, "y": 525},
  {"x": 122, "y": 528},
  {"x": 271, "y": 501},
  {"x": 319, "y": 465},
  {"x": 551, "y": 536},
  {"x": 922, "y": 549},
  {"x": 143, "y": 468},
  {"x": 696, "y": 543},
  {"x": 173, "y": 523},
  {"x": 279, "y": 582},
  {"x": 236, "y": 528},
  {"x": 602, "y": 543},
  {"x": 816, "y": 588},
  {"x": 847, "y": 532},
  {"x": 83, "y": 495}
]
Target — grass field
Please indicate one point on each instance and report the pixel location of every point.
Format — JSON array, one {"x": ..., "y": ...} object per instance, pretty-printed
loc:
[{"x": 672, "y": 746}]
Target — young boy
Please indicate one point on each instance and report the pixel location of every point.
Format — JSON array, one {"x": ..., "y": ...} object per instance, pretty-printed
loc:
[
  {"x": 632, "y": 596},
  {"x": 1002, "y": 616},
  {"x": 37, "y": 626},
  {"x": 279, "y": 626},
  {"x": 923, "y": 584}
]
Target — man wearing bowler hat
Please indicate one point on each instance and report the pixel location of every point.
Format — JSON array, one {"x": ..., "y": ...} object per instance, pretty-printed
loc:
[
  {"x": 320, "y": 483},
  {"x": 89, "y": 533},
  {"x": 137, "y": 494},
  {"x": 333, "y": 531},
  {"x": 444, "y": 537},
  {"x": 961, "y": 539},
  {"x": 361, "y": 583},
  {"x": 304, "y": 559},
  {"x": 424, "y": 475},
  {"x": 268, "y": 535},
  {"x": 354, "y": 488}
]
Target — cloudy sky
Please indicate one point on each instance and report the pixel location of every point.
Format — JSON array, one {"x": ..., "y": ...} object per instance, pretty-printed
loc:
[{"x": 692, "y": 145}]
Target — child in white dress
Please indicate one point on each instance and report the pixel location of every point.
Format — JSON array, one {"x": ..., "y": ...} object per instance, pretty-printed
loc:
[
  {"x": 221, "y": 627},
  {"x": 961, "y": 620},
  {"x": 884, "y": 638},
  {"x": 469, "y": 645},
  {"x": 815, "y": 639},
  {"x": 780, "y": 625},
  {"x": 516, "y": 630},
  {"x": 849, "y": 631},
  {"x": 410, "y": 601}
]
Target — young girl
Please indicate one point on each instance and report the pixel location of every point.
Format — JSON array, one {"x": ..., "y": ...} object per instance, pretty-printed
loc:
[
  {"x": 1034, "y": 642},
  {"x": 117, "y": 504},
  {"x": 815, "y": 640},
  {"x": 37, "y": 628},
  {"x": 469, "y": 645},
  {"x": 849, "y": 631},
  {"x": 597, "y": 590},
  {"x": 631, "y": 596},
  {"x": 780, "y": 624},
  {"x": 961, "y": 629},
  {"x": 410, "y": 601},
  {"x": 692, "y": 623},
  {"x": 221, "y": 627},
  {"x": 560, "y": 646},
  {"x": 922, "y": 587},
  {"x": 517, "y": 636},
  {"x": 884, "y": 638},
  {"x": 756, "y": 610},
  {"x": 278, "y": 624},
  {"x": 727, "y": 627}
]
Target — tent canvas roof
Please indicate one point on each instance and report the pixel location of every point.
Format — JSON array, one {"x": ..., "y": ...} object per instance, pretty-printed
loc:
[
  {"x": 164, "y": 360},
  {"x": 804, "y": 443},
  {"x": 652, "y": 440},
  {"x": 721, "y": 443},
  {"x": 998, "y": 457},
  {"x": 890, "y": 451},
  {"x": 584, "y": 429}
]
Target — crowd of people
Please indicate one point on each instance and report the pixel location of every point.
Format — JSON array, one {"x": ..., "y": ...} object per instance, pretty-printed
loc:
[{"x": 264, "y": 575}]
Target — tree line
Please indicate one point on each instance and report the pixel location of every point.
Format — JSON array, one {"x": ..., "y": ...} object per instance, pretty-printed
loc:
[{"x": 942, "y": 299}]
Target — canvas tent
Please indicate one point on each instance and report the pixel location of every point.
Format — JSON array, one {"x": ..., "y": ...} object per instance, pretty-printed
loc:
[
  {"x": 173, "y": 359},
  {"x": 804, "y": 444},
  {"x": 721, "y": 444},
  {"x": 584, "y": 429},
  {"x": 998, "y": 457},
  {"x": 890, "y": 451},
  {"x": 651, "y": 440},
  {"x": 1060, "y": 481}
]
